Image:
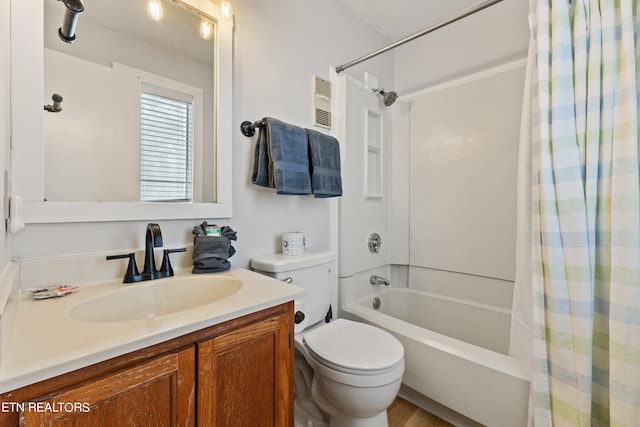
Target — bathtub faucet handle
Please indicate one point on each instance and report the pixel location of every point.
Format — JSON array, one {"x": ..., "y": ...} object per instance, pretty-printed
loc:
[{"x": 377, "y": 280}]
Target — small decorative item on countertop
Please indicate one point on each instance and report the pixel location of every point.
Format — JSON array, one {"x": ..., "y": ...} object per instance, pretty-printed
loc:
[
  {"x": 212, "y": 248},
  {"x": 53, "y": 291}
]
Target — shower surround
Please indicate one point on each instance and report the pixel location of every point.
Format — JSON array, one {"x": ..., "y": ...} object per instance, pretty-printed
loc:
[{"x": 446, "y": 214}]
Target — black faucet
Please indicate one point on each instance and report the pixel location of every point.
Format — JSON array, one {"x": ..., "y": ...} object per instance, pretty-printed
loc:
[{"x": 153, "y": 239}]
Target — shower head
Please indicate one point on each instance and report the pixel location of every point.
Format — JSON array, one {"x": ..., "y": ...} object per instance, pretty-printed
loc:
[
  {"x": 388, "y": 98},
  {"x": 67, "y": 32}
]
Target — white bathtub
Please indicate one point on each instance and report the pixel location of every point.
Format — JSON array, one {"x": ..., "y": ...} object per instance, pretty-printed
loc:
[{"x": 455, "y": 352}]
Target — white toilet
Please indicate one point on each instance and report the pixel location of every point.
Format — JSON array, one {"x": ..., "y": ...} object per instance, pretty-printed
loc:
[{"x": 346, "y": 373}]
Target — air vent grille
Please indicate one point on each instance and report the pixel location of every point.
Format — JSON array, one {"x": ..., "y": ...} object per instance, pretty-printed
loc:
[
  {"x": 322, "y": 102},
  {"x": 323, "y": 118}
]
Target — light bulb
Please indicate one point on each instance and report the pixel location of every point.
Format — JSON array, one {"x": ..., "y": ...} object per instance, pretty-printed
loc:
[
  {"x": 206, "y": 30},
  {"x": 155, "y": 10},
  {"x": 226, "y": 10}
]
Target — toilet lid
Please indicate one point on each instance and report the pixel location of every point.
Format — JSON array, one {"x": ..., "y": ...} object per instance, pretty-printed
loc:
[{"x": 354, "y": 345}]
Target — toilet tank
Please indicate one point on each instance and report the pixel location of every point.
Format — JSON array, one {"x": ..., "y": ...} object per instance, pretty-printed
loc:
[{"x": 312, "y": 271}]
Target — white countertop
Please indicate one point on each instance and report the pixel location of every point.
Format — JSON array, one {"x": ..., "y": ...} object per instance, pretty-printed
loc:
[{"x": 41, "y": 340}]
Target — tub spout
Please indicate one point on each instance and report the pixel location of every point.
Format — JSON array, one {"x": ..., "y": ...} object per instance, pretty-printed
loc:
[{"x": 377, "y": 280}]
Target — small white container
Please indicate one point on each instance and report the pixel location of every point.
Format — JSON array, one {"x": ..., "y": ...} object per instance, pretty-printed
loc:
[{"x": 293, "y": 243}]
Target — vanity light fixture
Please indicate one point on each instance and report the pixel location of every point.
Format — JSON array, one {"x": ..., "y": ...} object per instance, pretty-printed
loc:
[
  {"x": 226, "y": 10},
  {"x": 155, "y": 10},
  {"x": 205, "y": 29}
]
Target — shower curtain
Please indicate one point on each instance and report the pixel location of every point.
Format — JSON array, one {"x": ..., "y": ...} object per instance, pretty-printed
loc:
[{"x": 583, "y": 270}]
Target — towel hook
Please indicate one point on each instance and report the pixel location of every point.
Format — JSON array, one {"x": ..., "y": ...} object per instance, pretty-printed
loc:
[{"x": 249, "y": 129}]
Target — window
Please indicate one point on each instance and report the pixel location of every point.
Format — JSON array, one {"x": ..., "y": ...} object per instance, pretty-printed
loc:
[
  {"x": 171, "y": 138},
  {"x": 166, "y": 147}
]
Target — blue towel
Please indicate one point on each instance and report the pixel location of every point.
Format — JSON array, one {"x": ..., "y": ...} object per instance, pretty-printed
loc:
[
  {"x": 289, "y": 153},
  {"x": 286, "y": 150},
  {"x": 324, "y": 154},
  {"x": 260, "y": 175}
]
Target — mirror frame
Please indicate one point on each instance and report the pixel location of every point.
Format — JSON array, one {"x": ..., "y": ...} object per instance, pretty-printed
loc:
[{"x": 28, "y": 98}]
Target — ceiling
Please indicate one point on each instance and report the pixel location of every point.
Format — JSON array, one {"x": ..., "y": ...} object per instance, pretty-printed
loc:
[{"x": 397, "y": 19}]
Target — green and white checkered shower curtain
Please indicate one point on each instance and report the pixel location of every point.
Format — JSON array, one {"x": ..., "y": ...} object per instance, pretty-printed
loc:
[{"x": 586, "y": 213}]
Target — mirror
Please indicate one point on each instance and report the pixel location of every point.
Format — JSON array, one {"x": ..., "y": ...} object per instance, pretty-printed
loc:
[
  {"x": 138, "y": 93},
  {"x": 116, "y": 81}
]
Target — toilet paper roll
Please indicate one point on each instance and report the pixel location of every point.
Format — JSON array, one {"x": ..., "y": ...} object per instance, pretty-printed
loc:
[{"x": 293, "y": 243}]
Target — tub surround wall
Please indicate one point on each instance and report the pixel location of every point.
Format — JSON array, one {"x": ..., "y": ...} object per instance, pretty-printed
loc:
[
  {"x": 474, "y": 45},
  {"x": 400, "y": 181},
  {"x": 450, "y": 224},
  {"x": 464, "y": 148},
  {"x": 457, "y": 219},
  {"x": 481, "y": 290},
  {"x": 365, "y": 205},
  {"x": 356, "y": 287}
]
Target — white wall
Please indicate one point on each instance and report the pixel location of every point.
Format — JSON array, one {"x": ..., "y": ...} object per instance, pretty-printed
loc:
[
  {"x": 486, "y": 39},
  {"x": 5, "y": 116},
  {"x": 278, "y": 46}
]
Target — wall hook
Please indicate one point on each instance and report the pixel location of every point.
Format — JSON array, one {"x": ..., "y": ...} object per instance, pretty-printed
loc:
[{"x": 57, "y": 104}]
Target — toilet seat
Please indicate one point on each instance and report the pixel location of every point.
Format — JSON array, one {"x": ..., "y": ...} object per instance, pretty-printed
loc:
[{"x": 354, "y": 348}]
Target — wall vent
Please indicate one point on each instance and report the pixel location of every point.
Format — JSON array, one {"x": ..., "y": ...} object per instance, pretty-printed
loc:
[{"x": 322, "y": 102}]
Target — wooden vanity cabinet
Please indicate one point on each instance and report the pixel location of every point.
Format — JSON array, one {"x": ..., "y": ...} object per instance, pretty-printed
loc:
[
  {"x": 159, "y": 392},
  {"x": 246, "y": 376},
  {"x": 238, "y": 373}
]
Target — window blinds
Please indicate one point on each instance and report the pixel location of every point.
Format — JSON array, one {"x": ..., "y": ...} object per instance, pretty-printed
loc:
[{"x": 166, "y": 162}]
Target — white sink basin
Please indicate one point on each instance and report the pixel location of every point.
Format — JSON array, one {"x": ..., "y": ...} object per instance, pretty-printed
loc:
[{"x": 156, "y": 298}]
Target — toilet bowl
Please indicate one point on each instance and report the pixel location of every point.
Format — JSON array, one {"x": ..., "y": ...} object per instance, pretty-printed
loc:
[
  {"x": 346, "y": 373},
  {"x": 357, "y": 371}
]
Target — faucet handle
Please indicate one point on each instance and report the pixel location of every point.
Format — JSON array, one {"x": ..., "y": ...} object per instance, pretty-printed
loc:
[
  {"x": 132, "y": 274},
  {"x": 165, "y": 269}
]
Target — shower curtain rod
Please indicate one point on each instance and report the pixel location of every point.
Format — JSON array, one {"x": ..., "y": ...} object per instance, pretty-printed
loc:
[{"x": 466, "y": 12}]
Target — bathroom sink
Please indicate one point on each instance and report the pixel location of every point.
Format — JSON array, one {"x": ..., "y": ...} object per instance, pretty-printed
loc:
[{"x": 156, "y": 298}]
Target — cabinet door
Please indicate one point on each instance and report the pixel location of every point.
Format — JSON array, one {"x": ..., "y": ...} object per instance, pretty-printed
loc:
[
  {"x": 245, "y": 377},
  {"x": 156, "y": 393}
]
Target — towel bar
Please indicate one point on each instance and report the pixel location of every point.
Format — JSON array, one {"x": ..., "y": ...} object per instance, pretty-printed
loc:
[{"x": 249, "y": 129}]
